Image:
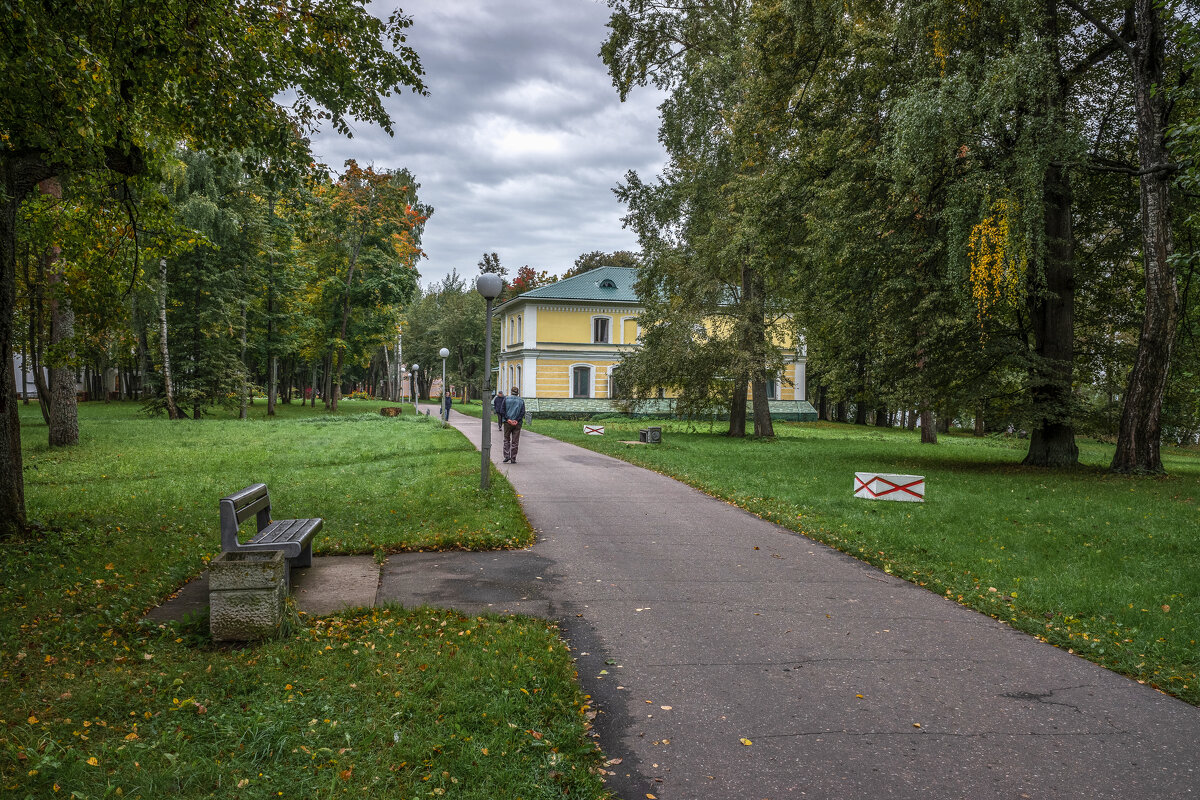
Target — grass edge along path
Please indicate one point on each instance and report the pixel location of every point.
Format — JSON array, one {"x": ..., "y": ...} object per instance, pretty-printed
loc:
[
  {"x": 380, "y": 702},
  {"x": 1107, "y": 567}
]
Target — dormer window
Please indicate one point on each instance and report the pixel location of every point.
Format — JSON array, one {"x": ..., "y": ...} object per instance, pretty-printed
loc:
[{"x": 607, "y": 283}]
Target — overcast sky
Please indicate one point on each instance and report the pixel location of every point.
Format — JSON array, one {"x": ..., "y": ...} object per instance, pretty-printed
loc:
[{"x": 521, "y": 139}]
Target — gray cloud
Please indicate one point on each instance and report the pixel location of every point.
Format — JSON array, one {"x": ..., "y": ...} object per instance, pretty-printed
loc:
[{"x": 522, "y": 138}]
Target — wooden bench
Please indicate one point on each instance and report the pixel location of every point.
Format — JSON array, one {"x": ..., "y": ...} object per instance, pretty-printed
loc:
[{"x": 292, "y": 536}]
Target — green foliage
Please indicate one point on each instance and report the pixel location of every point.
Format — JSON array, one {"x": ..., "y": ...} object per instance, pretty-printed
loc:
[
  {"x": 598, "y": 258},
  {"x": 99, "y": 82},
  {"x": 450, "y": 314},
  {"x": 703, "y": 226}
]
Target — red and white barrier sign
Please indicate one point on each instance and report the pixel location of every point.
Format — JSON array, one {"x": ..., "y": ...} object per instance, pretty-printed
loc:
[
  {"x": 882, "y": 486},
  {"x": 593, "y": 430}
]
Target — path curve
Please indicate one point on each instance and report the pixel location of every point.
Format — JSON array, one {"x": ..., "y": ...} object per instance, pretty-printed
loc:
[{"x": 699, "y": 627}]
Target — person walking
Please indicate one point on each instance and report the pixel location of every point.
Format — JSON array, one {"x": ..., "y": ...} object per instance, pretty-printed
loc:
[
  {"x": 514, "y": 418},
  {"x": 498, "y": 407}
]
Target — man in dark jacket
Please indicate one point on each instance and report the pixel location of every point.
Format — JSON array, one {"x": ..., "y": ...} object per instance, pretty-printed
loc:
[
  {"x": 514, "y": 418},
  {"x": 498, "y": 407}
]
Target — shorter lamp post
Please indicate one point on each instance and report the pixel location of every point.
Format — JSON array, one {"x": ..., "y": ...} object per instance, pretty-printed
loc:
[
  {"x": 416, "y": 384},
  {"x": 444, "y": 353},
  {"x": 489, "y": 284}
]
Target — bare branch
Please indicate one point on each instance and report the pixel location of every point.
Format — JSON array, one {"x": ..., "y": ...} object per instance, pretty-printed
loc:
[{"x": 1118, "y": 40}]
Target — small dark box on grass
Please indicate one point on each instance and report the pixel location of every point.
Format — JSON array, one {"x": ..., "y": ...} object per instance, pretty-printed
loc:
[{"x": 650, "y": 435}]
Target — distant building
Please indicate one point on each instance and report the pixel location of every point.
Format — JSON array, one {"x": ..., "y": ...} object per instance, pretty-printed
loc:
[
  {"x": 560, "y": 343},
  {"x": 26, "y": 386}
]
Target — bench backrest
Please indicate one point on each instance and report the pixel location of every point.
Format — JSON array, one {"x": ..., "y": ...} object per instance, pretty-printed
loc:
[{"x": 239, "y": 506}]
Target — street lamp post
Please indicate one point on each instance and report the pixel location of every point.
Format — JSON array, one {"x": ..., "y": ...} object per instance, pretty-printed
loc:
[
  {"x": 489, "y": 284},
  {"x": 444, "y": 353},
  {"x": 416, "y": 383}
]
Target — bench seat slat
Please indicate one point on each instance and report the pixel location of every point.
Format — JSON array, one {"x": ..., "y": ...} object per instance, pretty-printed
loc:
[{"x": 288, "y": 530}]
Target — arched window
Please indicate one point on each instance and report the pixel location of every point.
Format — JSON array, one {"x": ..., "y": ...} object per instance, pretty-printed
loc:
[{"x": 607, "y": 283}]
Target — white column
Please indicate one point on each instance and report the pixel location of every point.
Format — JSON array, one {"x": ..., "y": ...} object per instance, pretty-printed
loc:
[
  {"x": 530, "y": 331},
  {"x": 529, "y": 377}
]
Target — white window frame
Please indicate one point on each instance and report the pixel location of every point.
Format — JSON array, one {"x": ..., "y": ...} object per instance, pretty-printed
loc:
[
  {"x": 608, "y": 325},
  {"x": 591, "y": 385}
]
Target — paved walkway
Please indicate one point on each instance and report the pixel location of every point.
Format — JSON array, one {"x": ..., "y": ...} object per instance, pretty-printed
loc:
[{"x": 698, "y": 626}]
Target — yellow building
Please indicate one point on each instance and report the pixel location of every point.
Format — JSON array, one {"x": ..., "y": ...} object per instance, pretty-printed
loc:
[{"x": 559, "y": 344}]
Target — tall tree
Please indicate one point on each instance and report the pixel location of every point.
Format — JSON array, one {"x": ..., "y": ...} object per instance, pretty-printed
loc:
[
  {"x": 100, "y": 81},
  {"x": 699, "y": 235},
  {"x": 375, "y": 224}
]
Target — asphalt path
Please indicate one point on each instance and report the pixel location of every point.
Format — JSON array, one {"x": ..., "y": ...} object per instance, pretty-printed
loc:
[{"x": 731, "y": 658}]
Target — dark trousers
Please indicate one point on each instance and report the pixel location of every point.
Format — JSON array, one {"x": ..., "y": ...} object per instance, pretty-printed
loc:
[{"x": 512, "y": 437}]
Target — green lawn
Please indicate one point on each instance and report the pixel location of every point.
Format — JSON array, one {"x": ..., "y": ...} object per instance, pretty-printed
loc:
[
  {"x": 372, "y": 703},
  {"x": 1105, "y": 565}
]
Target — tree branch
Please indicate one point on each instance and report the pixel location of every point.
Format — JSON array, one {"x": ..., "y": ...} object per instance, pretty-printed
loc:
[{"x": 1100, "y": 25}]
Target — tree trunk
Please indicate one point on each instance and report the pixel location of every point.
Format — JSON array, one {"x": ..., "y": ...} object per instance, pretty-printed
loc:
[
  {"x": 272, "y": 384},
  {"x": 243, "y": 412},
  {"x": 1141, "y": 414},
  {"x": 272, "y": 357},
  {"x": 928, "y": 426},
  {"x": 1052, "y": 311},
  {"x": 35, "y": 347},
  {"x": 164, "y": 351},
  {"x": 143, "y": 359},
  {"x": 860, "y": 413},
  {"x": 19, "y": 176},
  {"x": 822, "y": 404},
  {"x": 327, "y": 380},
  {"x": 881, "y": 417},
  {"x": 64, "y": 412},
  {"x": 841, "y": 411},
  {"x": 387, "y": 371},
  {"x": 764, "y": 426},
  {"x": 943, "y": 423},
  {"x": 737, "y": 411},
  {"x": 979, "y": 428}
]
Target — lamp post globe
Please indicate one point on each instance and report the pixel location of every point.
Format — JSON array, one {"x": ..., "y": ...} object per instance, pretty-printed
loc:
[{"x": 489, "y": 285}]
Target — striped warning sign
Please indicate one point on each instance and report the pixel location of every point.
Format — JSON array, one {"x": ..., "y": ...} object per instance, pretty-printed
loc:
[{"x": 883, "y": 486}]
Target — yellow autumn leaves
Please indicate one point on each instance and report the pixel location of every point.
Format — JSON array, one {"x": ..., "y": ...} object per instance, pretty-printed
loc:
[{"x": 998, "y": 258}]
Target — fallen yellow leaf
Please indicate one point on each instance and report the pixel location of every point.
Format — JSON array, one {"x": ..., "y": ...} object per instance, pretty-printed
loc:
[{"x": 746, "y": 742}]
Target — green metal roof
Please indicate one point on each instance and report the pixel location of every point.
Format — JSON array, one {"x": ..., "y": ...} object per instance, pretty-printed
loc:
[{"x": 601, "y": 284}]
